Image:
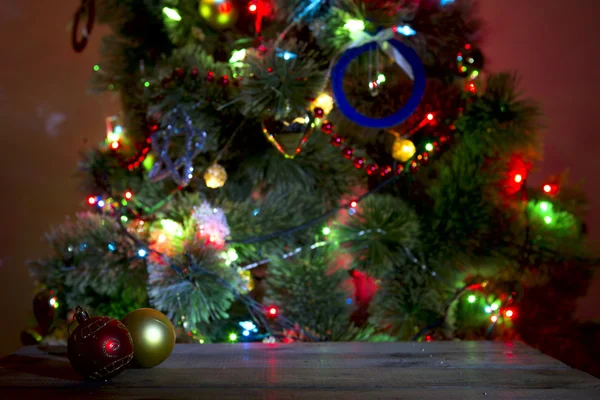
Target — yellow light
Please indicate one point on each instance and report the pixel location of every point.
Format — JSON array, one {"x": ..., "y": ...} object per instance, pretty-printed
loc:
[
  {"x": 171, "y": 227},
  {"x": 355, "y": 25},
  {"x": 403, "y": 150},
  {"x": 205, "y": 11},
  {"x": 324, "y": 102},
  {"x": 223, "y": 18},
  {"x": 153, "y": 335},
  {"x": 215, "y": 176}
]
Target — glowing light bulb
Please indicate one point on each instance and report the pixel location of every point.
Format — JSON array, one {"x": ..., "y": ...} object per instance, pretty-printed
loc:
[
  {"x": 124, "y": 218},
  {"x": 237, "y": 56},
  {"x": 353, "y": 204},
  {"x": 326, "y": 230},
  {"x": 114, "y": 145},
  {"x": 471, "y": 298},
  {"x": 128, "y": 195},
  {"x": 232, "y": 337},
  {"x": 548, "y": 219},
  {"x": 52, "y": 301},
  {"x": 246, "y": 333},
  {"x": 272, "y": 311},
  {"x": 406, "y": 30},
  {"x": 544, "y": 206},
  {"x": 161, "y": 238},
  {"x": 101, "y": 203},
  {"x": 430, "y": 117},
  {"x": 91, "y": 200},
  {"x": 547, "y": 188},
  {"x": 324, "y": 102},
  {"x": 494, "y": 306},
  {"x": 142, "y": 253},
  {"x": 494, "y": 318},
  {"x": 171, "y": 13},
  {"x": 96, "y": 68},
  {"x": 518, "y": 178},
  {"x": 153, "y": 335},
  {"x": 509, "y": 313},
  {"x": 252, "y": 8},
  {"x": 488, "y": 309},
  {"x": 428, "y": 147},
  {"x": 355, "y": 25}
]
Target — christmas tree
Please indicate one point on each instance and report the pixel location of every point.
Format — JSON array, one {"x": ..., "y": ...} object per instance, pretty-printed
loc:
[{"x": 311, "y": 170}]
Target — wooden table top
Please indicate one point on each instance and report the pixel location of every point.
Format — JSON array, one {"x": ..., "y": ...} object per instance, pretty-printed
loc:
[{"x": 405, "y": 370}]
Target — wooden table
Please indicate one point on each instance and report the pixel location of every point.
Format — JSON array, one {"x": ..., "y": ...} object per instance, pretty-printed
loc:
[{"x": 436, "y": 370}]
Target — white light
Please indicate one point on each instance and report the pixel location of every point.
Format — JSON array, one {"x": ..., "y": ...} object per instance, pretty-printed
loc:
[
  {"x": 488, "y": 309},
  {"x": 142, "y": 253},
  {"x": 101, "y": 203},
  {"x": 153, "y": 335},
  {"x": 53, "y": 301},
  {"x": 247, "y": 325}
]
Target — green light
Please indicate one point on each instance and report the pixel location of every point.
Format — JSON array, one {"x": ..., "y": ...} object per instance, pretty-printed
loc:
[
  {"x": 474, "y": 74},
  {"x": 172, "y": 14},
  {"x": 232, "y": 255},
  {"x": 544, "y": 205},
  {"x": 494, "y": 306},
  {"x": 96, "y": 68},
  {"x": 326, "y": 230},
  {"x": 380, "y": 78},
  {"x": 232, "y": 337},
  {"x": 124, "y": 202},
  {"x": 548, "y": 219},
  {"x": 471, "y": 298},
  {"x": 147, "y": 84},
  {"x": 463, "y": 69},
  {"x": 148, "y": 162},
  {"x": 355, "y": 25},
  {"x": 111, "y": 87},
  {"x": 428, "y": 147},
  {"x": 171, "y": 227},
  {"x": 124, "y": 218},
  {"x": 237, "y": 56}
]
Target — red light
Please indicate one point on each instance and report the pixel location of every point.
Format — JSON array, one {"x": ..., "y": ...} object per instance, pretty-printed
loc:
[
  {"x": 547, "y": 188},
  {"x": 494, "y": 318},
  {"x": 353, "y": 204},
  {"x": 225, "y": 8},
  {"x": 272, "y": 311},
  {"x": 467, "y": 46},
  {"x": 509, "y": 313},
  {"x": 518, "y": 178},
  {"x": 252, "y": 8},
  {"x": 128, "y": 195},
  {"x": 111, "y": 346},
  {"x": 114, "y": 145},
  {"x": 91, "y": 200},
  {"x": 472, "y": 88},
  {"x": 430, "y": 117}
]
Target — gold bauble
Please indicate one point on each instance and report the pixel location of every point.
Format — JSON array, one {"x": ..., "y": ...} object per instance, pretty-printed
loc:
[
  {"x": 403, "y": 150},
  {"x": 218, "y": 14},
  {"x": 153, "y": 336},
  {"x": 288, "y": 135},
  {"x": 324, "y": 102},
  {"x": 215, "y": 176}
]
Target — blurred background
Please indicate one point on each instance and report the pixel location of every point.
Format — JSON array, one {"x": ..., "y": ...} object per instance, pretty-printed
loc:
[{"x": 47, "y": 118}]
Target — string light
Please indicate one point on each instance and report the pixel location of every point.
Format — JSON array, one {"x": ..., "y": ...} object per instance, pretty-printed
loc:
[
  {"x": 172, "y": 14},
  {"x": 128, "y": 195},
  {"x": 124, "y": 218},
  {"x": 326, "y": 230},
  {"x": 471, "y": 299},
  {"x": 252, "y": 7},
  {"x": 544, "y": 205},
  {"x": 494, "y": 318},
  {"x": 488, "y": 309},
  {"x": 91, "y": 200},
  {"x": 246, "y": 333},
  {"x": 429, "y": 147},
  {"x": 509, "y": 313},
  {"x": 272, "y": 311},
  {"x": 114, "y": 145},
  {"x": 353, "y": 204},
  {"x": 518, "y": 178},
  {"x": 232, "y": 337},
  {"x": 355, "y": 25},
  {"x": 101, "y": 203},
  {"x": 142, "y": 253},
  {"x": 494, "y": 306},
  {"x": 547, "y": 188},
  {"x": 548, "y": 219}
]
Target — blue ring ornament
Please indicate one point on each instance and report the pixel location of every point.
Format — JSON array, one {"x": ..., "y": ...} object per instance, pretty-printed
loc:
[{"x": 337, "y": 79}]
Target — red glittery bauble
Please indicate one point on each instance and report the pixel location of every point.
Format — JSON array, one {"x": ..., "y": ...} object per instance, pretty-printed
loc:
[{"x": 99, "y": 347}]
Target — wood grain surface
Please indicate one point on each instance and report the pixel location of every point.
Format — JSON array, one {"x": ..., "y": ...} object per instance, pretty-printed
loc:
[{"x": 437, "y": 370}]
